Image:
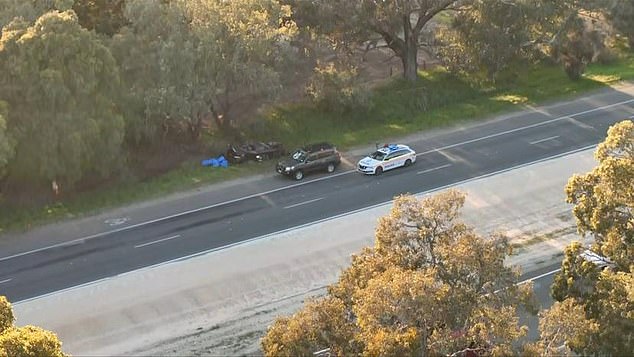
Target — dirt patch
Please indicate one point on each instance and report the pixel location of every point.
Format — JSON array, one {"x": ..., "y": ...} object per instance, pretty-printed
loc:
[{"x": 239, "y": 337}]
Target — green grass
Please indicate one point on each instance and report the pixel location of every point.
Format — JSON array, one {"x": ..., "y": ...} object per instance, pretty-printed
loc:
[
  {"x": 189, "y": 176},
  {"x": 438, "y": 99}
]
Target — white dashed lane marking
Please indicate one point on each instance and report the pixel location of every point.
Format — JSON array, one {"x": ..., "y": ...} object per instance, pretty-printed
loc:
[
  {"x": 304, "y": 203},
  {"x": 545, "y": 139},
  {"x": 157, "y": 241},
  {"x": 433, "y": 169}
]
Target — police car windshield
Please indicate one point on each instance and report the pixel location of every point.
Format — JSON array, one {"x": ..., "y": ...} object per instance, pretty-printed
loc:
[
  {"x": 377, "y": 155},
  {"x": 299, "y": 155}
]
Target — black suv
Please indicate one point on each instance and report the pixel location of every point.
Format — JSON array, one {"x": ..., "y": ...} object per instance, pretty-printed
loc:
[{"x": 315, "y": 157}]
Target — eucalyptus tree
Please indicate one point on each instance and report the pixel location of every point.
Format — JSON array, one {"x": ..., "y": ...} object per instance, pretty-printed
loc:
[
  {"x": 622, "y": 15},
  {"x": 489, "y": 35},
  {"x": 29, "y": 10},
  {"x": 189, "y": 61},
  {"x": 59, "y": 81},
  {"x": 26, "y": 341},
  {"x": 486, "y": 36},
  {"x": 429, "y": 286},
  {"x": 596, "y": 298},
  {"x": 400, "y": 24},
  {"x": 103, "y": 16}
]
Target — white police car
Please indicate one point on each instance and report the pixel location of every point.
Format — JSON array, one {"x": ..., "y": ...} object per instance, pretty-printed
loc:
[{"x": 386, "y": 158}]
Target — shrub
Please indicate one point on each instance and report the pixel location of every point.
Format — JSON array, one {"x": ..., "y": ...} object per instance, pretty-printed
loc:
[{"x": 338, "y": 89}]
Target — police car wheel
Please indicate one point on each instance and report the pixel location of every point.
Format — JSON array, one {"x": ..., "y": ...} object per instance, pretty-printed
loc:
[
  {"x": 408, "y": 162},
  {"x": 378, "y": 171},
  {"x": 299, "y": 175},
  {"x": 330, "y": 168}
]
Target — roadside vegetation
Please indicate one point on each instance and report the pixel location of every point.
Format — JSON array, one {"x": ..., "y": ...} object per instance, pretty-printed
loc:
[
  {"x": 107, "y": 103},
  {"x": 437, "y": 99},
  {"x": 25, "y": 341}
]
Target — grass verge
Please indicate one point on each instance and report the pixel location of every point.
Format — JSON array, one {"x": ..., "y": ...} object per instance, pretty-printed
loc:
[
  {"x": 438, "y": 99},
  {"x": 189, "y": 176}
]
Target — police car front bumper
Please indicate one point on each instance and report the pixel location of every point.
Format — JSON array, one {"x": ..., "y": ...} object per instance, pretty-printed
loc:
[{"x": 368, "y": 170}]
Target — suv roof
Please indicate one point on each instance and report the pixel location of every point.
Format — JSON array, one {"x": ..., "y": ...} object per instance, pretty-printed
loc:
[{"x": 318, "y": 147}]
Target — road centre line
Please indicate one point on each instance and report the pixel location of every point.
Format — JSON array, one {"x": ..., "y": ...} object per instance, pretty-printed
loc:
[
  {"x": 542, "y": 140},
  {"x": 308, "y": 182},
  {"x": 433, "y": 169},
  {"x": 304, "y": 203},
  {"x": 157, "y": 241},
  {"x": 305, "y": 225},
  {"x": 5, "y": 281}
]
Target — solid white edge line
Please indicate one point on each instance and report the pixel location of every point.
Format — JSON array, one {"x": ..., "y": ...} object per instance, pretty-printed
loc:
[
  {"x": 156, "y": 241},
  {"x": 542, "y": 140},
  {"x": 5, "y": 281},
  {"x": 311, "y": 181},
  {"x": 539, "y": 276},
  {"x": 251, "y": 240},
  {"x": 432, "y": 169},
  {"x": 304, "y": 203}
]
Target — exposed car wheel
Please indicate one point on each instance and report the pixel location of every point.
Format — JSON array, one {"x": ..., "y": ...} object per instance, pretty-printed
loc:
[
  {"x": 330, "y": 168},
  {"x": 408, "y": 162},
  {"x": 298, "y": 175},
  {"x": 378, "y": 170}
]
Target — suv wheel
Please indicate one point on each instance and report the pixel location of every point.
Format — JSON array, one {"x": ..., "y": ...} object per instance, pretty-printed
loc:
[
  {"x": 298, "y": 175},
  {"x": 408, "y": 162},
  {"x": 378, "y": 170},
  {"x": 330, "y": 168}
]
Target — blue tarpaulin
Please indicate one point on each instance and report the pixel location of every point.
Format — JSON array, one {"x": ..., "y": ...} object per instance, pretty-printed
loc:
[{"x": 219, "y": 161}]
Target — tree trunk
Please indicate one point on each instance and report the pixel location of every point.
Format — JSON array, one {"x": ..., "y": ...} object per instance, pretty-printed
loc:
[
  {"x": 423, "y": 342},
  {"x": 195, "y": 127},
  {"x": 410, "y": 53},
  {"x": 410, "y": 65}
]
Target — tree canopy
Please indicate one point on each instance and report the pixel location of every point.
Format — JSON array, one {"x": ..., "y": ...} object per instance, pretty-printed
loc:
[
  {"x": 603, "y": 198},
  {"x": 399, "y": 24},
  {"x": 429, "y": 286},
  {"x": 187, "y": 61},
  {"x": 598, "y": 295},
  {"x": 27, "y": 341},
  {"x": 60, "y": 86}
]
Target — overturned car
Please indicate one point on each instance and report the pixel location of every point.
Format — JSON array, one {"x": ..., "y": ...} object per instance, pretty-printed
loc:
[{"x": 258, "y": 151}]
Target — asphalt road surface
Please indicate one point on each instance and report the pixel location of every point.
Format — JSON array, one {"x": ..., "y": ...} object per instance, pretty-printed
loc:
[{"x": 442, "y": 160}]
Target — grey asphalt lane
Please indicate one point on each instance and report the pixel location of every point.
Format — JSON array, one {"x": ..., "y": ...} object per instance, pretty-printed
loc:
[{"x": 449, "y": 158}]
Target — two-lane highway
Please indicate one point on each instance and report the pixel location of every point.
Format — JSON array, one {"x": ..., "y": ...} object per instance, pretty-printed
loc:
[{"x": 442, "y": 160}]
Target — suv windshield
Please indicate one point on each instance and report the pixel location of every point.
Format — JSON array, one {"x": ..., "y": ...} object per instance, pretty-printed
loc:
[
  {"x": 377, "y": 155},
  {"x": 299, "y": 155}
]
